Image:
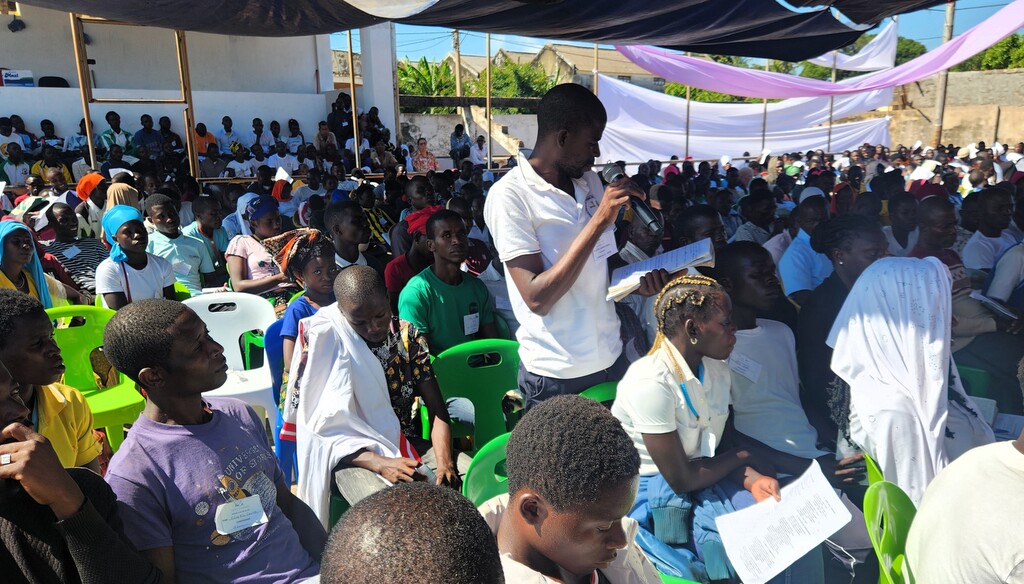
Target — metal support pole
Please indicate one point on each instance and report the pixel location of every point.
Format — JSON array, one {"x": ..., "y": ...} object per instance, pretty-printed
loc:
[
  {"x": 764, "y": 116},
  {"x": 831, "y": 101},
  {"x": 490, "y": 122},
  {"x": 596, "y": 66},
  {"x": 352, "y": 92},
  {"x": 943, "y": 80},
  {"x": 186, "y": 92},
  {"x": 84, "y": 87}
]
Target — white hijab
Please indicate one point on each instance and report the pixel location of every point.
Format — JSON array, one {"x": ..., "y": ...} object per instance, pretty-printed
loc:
[
  {"x": 892, "y": 346},
  {"x": 243, "y": 223},
  {"x": 340, "y": 403}
]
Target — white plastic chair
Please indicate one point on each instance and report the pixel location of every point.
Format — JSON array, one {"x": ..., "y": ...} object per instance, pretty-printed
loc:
[{"x": 249, "y": 312}]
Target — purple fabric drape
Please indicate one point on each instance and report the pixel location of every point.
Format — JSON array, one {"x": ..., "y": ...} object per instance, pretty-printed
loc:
[{"x": 755, "y": 83}]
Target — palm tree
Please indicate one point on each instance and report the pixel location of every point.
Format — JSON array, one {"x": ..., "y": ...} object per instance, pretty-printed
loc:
[{"x": 427, "y": 78}]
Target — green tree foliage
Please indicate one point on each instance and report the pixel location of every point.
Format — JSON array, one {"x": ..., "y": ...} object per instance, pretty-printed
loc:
[
  {"x": 1006, "y": 54},
  {"x": 426, "y": 78},
  {"x": 511, "y": 79},
  {"x": 703, "y": 95}
]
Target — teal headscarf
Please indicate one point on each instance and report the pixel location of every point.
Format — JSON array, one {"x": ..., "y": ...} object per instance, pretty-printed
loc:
[
  {"x": 35, "y": 268},
  {"x": 113, "y": 219}
]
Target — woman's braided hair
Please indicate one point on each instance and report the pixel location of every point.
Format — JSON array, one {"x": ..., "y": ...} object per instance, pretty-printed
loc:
[{"x": 687, "y": 296}]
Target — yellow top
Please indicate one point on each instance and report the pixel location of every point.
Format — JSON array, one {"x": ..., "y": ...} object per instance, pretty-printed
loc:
[{"x": 66, "y": 421}]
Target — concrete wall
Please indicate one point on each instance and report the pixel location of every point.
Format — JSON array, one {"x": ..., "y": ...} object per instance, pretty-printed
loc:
[
  {"x": 980, "y": 105},
  {"x": 437, "y": 128},
  {"x": 64, "y": 107},
  {"x": 130, "y": 57}
]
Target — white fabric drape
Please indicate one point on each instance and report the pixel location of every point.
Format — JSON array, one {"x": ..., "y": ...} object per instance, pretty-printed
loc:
[
  {"x": 892, "y": 346},
  {"x": 645, "y": 124},
  {"x": 340, "y": 402},
  {"x": 391, "y": 9},
  {"x": 879, "y": 53},
  {"x": 627, "y": 102}
]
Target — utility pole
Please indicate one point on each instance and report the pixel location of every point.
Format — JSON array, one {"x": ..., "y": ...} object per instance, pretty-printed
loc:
[
  {"x": 831, "y": 102},
  {"x": 764, "y": 116},
  {"x": 458, "y": 66},
  {"x": 943, "y": 80}
]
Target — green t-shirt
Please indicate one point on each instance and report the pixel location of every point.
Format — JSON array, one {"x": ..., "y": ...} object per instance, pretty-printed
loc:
[
  {"x": 188, "y": 258},
  {"x": 447, "y": 315}
]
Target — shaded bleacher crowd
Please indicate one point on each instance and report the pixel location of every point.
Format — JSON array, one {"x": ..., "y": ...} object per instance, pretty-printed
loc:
[{"x": 804, "y": 342}]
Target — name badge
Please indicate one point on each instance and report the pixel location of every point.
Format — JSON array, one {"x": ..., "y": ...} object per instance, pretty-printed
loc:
[
  {"x": 71, "y": 252},
  {"x": 234, "y": 516},
  {"x": 181, "y": 268},
  {"x": 471, "y": 323},
  {"x": 606, "y": 247},
  {"x": 745, "y": 366}
]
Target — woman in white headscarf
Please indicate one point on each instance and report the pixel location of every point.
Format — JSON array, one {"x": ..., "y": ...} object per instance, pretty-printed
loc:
[
  {"x": 908, "y": 409},
  {"x": 235, "y": 223}
]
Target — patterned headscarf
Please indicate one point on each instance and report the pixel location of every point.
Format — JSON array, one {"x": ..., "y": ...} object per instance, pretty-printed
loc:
[{"x": 292, "y": 250}]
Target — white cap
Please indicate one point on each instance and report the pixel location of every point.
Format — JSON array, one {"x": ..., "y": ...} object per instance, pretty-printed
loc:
[
  {"x": 725, "y": 159},
  {"x": 487, "y": 176}
]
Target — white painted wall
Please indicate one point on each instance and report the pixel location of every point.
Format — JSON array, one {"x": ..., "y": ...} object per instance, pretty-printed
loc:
[
  {"x": 63, "y": 106},
  {"x": 131, "y": 57},
  {"x": 379, "y": 71},
  {"x": 437, "y": 128}
]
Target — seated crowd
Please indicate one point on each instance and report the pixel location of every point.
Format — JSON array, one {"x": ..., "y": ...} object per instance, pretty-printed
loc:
[{"x": 847, "y": 298}]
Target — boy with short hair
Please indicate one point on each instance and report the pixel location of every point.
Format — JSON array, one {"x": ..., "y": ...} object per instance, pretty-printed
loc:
[
  {"x": 452, "y": 543},
  {"x": 447, "y": 305},
  {"x": 572, "y": 480},
  {"x": 208, "y": 229},
  {"x": 189, "y": 258},
  {"x": 197, "y": 482}
]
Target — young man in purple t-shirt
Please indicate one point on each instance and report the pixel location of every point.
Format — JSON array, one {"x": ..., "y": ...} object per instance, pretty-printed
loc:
[{"x": 198, "y": 486}]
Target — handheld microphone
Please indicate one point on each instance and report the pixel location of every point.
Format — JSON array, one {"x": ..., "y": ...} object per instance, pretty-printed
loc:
[{"x": 613, "y": 173}]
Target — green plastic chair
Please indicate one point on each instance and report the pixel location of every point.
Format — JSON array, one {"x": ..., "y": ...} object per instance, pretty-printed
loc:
[
  {"x": 504, "y": 331},
  {"x": 296, "y": 296},
  {"x": 181, "y": 293},
  {"x": 976, "y": 381},
  {"x": 874, "y": 473},
  {"x": 338, "y": 508},
  {"x": 112, "y": 407},
  {"x": 484, "y": 480},
  {"x": 888, "y": 512},
  {"x": 484, "y": 385},
  {"x": 666, "y": 579},
  {"x": 602, "y": 392}
]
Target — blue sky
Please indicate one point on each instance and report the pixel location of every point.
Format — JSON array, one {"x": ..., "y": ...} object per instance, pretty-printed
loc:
[{"x": 434, "y": 43}]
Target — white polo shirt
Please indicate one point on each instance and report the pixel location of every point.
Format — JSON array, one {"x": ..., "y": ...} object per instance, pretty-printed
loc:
[{"x": 526, "y": 215}]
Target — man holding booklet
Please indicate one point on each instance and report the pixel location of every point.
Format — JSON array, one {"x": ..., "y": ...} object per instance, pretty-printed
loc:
[{"x": 552, "y": 224}]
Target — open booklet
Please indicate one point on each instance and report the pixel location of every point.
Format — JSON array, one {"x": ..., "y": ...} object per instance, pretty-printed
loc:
[
  {"x": 626, "y": 280},
  {"x": 996, "y": 307}
]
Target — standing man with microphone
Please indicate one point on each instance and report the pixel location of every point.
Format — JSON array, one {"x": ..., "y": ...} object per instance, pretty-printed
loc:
[{"x": 552, "y": 222}]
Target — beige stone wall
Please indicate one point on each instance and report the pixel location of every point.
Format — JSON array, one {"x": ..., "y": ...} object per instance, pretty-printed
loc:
[{"x": 980, "y": 105}]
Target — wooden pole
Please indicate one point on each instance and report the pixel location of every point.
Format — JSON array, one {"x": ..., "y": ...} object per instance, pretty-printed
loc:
[
  {"x": 458, "y": 65},
  {"x": 597, "y": 63},
  {"x": 943, "y": 80},
  {"x": 84, "y": 86},
  {"x": 352, "y": 91},
  {"x": 490, "y": 122},
  {"x": 186, "y": 95},
  {"x": 764, "y": 116},
  {"x": 831, "y": 101}
]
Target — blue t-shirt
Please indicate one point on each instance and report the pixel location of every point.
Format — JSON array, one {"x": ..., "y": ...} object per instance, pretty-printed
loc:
[
  {"x": 297, "y": 310},
  {"x": 170, "y": 481}
]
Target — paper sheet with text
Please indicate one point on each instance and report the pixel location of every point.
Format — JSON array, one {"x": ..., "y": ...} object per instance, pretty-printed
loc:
[
  {"x": 763, "y": 540},
  {"x": 626, "y": 279}
]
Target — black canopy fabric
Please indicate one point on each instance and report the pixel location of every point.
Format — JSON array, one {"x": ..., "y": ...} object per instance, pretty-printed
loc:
[
  {"x": 871, "y": 11},
  {"x": 750, "y": 28}
]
